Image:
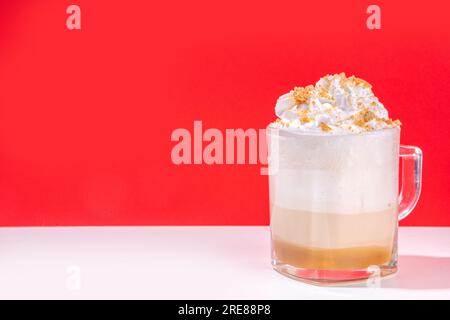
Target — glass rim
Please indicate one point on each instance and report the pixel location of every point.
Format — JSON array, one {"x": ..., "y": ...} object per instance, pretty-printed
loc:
[{"x": 300, "y": 132}]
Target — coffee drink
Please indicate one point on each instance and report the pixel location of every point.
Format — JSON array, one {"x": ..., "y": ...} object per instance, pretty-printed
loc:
[{"x": 334, "y": 156}]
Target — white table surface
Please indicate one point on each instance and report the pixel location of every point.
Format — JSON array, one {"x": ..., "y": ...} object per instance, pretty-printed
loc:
[{"x": 193, "y": 263}]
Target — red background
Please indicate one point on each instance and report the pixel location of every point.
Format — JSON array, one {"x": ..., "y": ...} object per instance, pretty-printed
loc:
[{"x": 86, "y": 116}]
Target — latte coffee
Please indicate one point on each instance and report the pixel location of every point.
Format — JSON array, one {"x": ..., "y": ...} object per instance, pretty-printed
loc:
[
  {"x": 333, "y": 181},
  {"x": 334, "y": 199},
  {"x": 330, "y": 241}
]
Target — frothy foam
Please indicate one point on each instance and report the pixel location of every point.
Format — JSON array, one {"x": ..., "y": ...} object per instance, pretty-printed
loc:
[{"x": 344, "y": 174}]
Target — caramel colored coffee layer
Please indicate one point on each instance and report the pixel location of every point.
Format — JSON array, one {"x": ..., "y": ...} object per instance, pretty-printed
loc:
[
  {"x": 333, "y": 230},
  {"x": 330, "y": 259}
]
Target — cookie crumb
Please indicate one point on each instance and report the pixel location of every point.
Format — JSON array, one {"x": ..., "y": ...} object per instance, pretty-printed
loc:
[
  {"x": 302, "y": 94},
  {"x": 324, "y": 127}
]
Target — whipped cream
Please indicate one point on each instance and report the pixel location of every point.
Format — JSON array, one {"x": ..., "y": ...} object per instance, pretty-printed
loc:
[{"x": 336, "y": 104}]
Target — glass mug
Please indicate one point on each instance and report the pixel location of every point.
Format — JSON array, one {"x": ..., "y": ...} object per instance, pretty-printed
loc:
[{"x": 335, "y": 203}]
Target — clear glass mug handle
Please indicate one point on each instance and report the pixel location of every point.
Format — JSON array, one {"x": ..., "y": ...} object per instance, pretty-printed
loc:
[{"x": 411, "y": 180}]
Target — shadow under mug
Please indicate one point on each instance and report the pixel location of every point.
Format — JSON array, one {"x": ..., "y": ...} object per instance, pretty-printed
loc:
[{"x": 335, "y": 202}]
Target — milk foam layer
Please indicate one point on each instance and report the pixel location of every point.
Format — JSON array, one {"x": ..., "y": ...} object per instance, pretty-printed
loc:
[
  {"x": 341, "y": 174},
  {"x": 336, "y": 104}
]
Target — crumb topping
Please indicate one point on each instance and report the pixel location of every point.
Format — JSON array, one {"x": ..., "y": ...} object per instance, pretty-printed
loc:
[
  {"x": 336, "y": 103},
  {"x": 324, "y": 127},
  {"x": 302, "y": 94}
]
